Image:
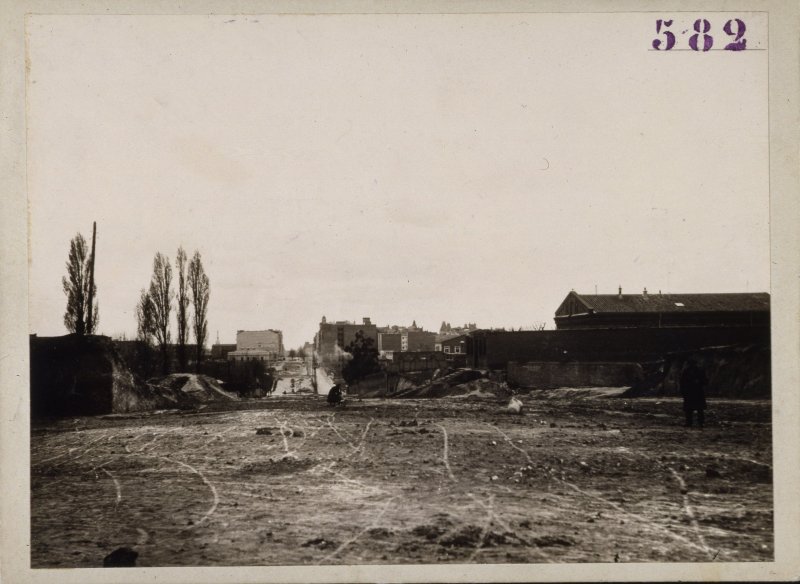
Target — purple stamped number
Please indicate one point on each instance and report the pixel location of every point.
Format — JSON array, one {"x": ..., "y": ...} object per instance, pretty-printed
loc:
[
  {"x": 739, "y": 42},
  {"x": 701, "y": 26},
  {"x": 701, "y": 41},
  {"x": 669, "y": 36}
]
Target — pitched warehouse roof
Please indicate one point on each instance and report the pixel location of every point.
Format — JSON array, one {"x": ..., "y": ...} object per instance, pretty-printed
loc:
[{"x": 726, "y": 302}]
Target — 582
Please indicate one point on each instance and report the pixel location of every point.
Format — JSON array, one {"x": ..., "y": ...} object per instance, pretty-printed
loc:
[{"x": 702, "y": 40}]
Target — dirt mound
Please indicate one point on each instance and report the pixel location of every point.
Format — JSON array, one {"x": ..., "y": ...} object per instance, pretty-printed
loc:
[
  {"x": 189, "y": 389},
  {"x": 467, "y": 383},
  {"x": 481, "y": 389}
]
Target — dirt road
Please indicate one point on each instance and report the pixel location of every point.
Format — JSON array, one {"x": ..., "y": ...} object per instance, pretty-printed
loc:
[{"x": 288, "y": 480}]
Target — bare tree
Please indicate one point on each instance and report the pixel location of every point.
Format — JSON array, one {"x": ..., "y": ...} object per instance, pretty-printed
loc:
[
  {"x": 145, "y": 317},
  {"x": 198, "y": 284},
  {"x": 161, "y": 297},
  {"x": 76, "y": 287},
  {"x": 182, "y": 308},
  {"x": 145, "y": 360}
]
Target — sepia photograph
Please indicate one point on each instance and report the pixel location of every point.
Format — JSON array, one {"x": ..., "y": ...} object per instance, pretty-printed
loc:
[{"x": 399, "y": 288}]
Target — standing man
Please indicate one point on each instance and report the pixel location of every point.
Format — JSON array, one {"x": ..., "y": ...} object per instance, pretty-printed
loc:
[{"x": 692, "y": 385}]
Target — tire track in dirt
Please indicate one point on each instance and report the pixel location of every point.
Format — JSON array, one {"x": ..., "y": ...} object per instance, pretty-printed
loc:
[
  {"x": 634, "y": 516},
  {"x": 362, "y": 440},
  {"x": 731, "y": 457},
  {"x": 445, "y": 453},
  {"x": 214, "y": 494},
  {"x": 89, "y": 446},
  {"x": 689, "y": 511},
  {"x": 355, "y": 538},
  {"x": 491, "y": 516},
  {"x": 489, "y": 507},
  {"x": 154, "y": 439},
  {"x": 610, "y": 503},
  {"x": 347, "y": 480},
  {"x": 336, "y": 431},
  {"x": 511, "y": 443},
  {"x": 117, "y": 486},
  {"x": 284, "y": 430},
  {"x": 687, "y": 508},
  {"x": 218, "y": 436}
]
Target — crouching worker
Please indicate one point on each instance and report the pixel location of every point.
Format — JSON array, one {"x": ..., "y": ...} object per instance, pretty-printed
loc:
[
  {"x": 335, "y": 395},
  {"x": 693, "y": 382}
]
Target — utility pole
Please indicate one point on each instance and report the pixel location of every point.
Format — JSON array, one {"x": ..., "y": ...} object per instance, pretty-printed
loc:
[{"x": 90, "y": 315}]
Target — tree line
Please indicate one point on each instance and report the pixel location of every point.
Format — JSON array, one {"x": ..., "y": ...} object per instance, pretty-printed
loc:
[{"x": 155, "y": 303}]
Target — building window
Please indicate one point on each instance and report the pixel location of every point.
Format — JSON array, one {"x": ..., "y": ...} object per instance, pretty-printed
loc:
[
  {"x": 447, "y": 348},
  {"x": 457, "y": 349}
]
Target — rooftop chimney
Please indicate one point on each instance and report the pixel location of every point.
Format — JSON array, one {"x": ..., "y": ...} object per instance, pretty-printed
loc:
[
  {"x": 367, "y": 321},
  {"x": 620, "y": 293},
  {"x": 644, "y": 293}
]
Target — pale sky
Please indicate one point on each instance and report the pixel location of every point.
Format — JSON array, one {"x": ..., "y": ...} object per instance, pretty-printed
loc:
[{"x": 459, "y": 168}]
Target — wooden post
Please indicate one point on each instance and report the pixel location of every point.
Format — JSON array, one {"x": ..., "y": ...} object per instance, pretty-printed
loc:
[{"x": 90, "y": 312}]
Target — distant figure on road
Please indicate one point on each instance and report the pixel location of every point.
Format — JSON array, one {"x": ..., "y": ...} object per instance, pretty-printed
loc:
[
  {"x": 335, "y": 395},
  {"x": 692, "y": 385}
]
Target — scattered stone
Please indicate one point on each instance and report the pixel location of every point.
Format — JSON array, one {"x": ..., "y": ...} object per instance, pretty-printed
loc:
[
  {"x": 525, "y": 524},
  {"x": 428, "y": 531},
  {"x": 319, "y": 543},
  {"x": 467, "y": 536},
  {"x": 495, "y": 477},
  {"x": 123, "y": 557},
  {"x": 553, "y": 540},
  {"x": 514, "y": 406},
  {"x": 379, "y": 532},
  {"x": 264, "y": 431}
]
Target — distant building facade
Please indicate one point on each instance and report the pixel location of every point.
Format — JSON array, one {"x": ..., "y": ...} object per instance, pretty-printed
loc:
[
  {"x": 263, "y": 345},
  {"x": 455, "y": 345},
  {"x": 447, "y": 332},
  {"x": 221, "y": 350},
  {"x": 333, "y": 338},
  {"x": 392, "y": 339}
]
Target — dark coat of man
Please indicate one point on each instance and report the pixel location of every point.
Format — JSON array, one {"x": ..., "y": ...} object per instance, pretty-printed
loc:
[
  {"x": 693, "y": 382},
  {"x": 335, "y": 395}
]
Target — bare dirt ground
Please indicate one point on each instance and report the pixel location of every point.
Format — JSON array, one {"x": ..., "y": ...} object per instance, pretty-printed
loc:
[{"x": 287, "y": 480}]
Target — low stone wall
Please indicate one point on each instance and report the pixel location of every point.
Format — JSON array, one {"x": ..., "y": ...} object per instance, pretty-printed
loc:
[{"x": 549, "y": 374}]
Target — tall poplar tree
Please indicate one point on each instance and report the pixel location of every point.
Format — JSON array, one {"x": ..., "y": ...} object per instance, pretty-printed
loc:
[
  {"x": 76, "y": 287},
  {"x": 199, "y": 286},
  {"x": 161, "y": 296},
  {"x": 182, "y": 309}
]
